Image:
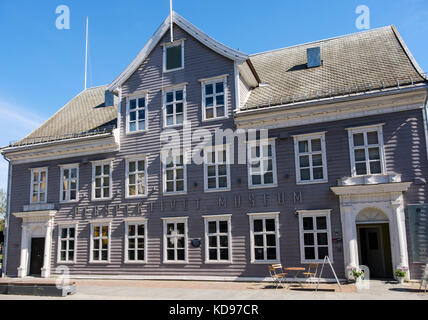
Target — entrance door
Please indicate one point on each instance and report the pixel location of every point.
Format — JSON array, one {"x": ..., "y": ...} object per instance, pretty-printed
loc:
[
  {"x": 374, "y": 250},
  {"x": 37, "y": 256}
]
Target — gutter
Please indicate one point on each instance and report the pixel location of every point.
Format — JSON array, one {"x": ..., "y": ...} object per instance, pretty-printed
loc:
[
  {"x": 323, "y": 101},
  {"x": 425, "y": 119},
  {"x": 6, "y": 228}
]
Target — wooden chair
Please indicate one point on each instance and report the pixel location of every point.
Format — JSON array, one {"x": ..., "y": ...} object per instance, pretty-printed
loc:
[
  {"x": 277, "y": 275},
  {"x": 311, "y": 274}
]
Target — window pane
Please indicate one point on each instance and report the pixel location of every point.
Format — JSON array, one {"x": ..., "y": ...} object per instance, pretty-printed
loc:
[
  {"x": 271, "y": 253},
  {"x": 375, "y": 167},
  {"x": 360, "y": 155},
  {"x": 209, "y": 114},
  {"x": 140, "y": 255},
  {"x": 209, "y": 102},
  {"x": 141, "y": 230},
  {"x": 308, "y": 239},
  {"x": 268, "y": 178},
  {"x": 321, "y": 223},
  {"x": 322, "y": 239},
  {"x": 180, "y": 243},
  {"x": 308, "y": 223},
  {"x": 212, "y": 183},
  {"x": 224, "y": 241},
  {"x": 223, "y": 226},
  {"x": 180, "y": 255},
  {"x": 304, "y": 162},
  {"x": 131, "y": 255},
  {"x": 179, "y": 95},
  {"x": 309, "y": 253},
  {"x": 212, "y": 241},
  {"x": 64, "y": 233},
  {"x": 318, "y": 174},
  {"x": 258, "y": 254},
  {"x": 180, "y": 228},
  {"x": 303, "y": 146},
  {"x": 209, "y": 89},
  {"x": 305, "y": 174},
  {"x": 361, "y": 168},
  {"x": 258, "y": 241},
  {"x": 131, "y": 243},
  {"x": 131, "y": 230},
  {"x": 372, "y": 137},
  {"x": 359, "y": 139},
  {"x": 270, "y": 225},
  {"x": 317, "y": 160},
  {"x": 219, "y": 87},
  {"x": 270, "y": 239},
  {"x": 170, "y": 255},
  {"x": 220, "y": 111},
  {"x": 224, "y": 254},
  {"x": 258, "y": 225},
  {"x": 220, "y": 100},
  {"x": 322, "y": 252},
  {"x": 72, "y": 232},
  {"x": 173, "y": 57},
  {"x": 256, "y": 179},
  {"x": 132, "y": 104},
  {"x": 179, "y": 108},
  {"x": 222, "y": 182},
  {"x": 212, "y": 227},
  {"x": 213, "y": 254},
  {"x": 316, "y": 145},
  {"x": 374, "y": 154},
  {"x": 141, "y": 102}
]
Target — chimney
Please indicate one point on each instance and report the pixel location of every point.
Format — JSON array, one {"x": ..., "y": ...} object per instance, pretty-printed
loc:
[
  {"x": 109, "y": 98},
  {"x": 314, "y": 57}
]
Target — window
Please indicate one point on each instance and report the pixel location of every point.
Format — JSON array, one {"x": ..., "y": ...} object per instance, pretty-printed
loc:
[
  {"x": 310, "y": 157},
  {"x": 214, "y": 99},
  {"x": 135, "y": 241},
  {"x": 69, "y": 188},
  {"x": 100, "y": 242},
  {"x": 39, "y": 185},
  {"x": 366, "y": 148},
  {"x": 173, "y": 56},
  {"x": 174, "y": 173},
  {"x": 218, "y": 239},
  {"x": 315, "y": 236},
  {"x": 175, "y": 240},
  {"x": 137, "y": 114},
  {"x": 261, "y": 164},
  {"x": 174, "y": 107},
  {"x": 136, "y": 178},
  {"x": 264, "y": 238},
  {"x": 217, "y": 168},
  {"x": 67, "y": 244},
  {"x": 101, "y": 180}
]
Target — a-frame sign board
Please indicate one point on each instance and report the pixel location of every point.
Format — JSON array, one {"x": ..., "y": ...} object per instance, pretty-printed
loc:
[{"x": 327, "y": 260}]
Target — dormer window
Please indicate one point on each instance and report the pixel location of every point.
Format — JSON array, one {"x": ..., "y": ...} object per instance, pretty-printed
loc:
[{"x": 173, "y": 56}]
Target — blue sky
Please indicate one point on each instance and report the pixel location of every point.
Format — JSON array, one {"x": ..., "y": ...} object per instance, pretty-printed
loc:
[{"x": 42, "y": 67}]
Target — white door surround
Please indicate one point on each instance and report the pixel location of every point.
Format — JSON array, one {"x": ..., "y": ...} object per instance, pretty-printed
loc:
[
  {"x": 373, "y": 203},
  {"x": 36, "y": 224}
]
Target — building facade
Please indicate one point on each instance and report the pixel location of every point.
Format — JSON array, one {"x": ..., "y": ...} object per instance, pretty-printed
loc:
[{"x": 103, "y": 189}]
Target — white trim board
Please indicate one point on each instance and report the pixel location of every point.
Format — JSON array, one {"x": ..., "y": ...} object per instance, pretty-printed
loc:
[{"x": 157, "y": 36}]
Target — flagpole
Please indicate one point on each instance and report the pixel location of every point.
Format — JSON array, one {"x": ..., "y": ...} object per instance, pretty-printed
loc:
[
  {"x": 86, "y": 53},
  {"x": 170, "y": 14}
]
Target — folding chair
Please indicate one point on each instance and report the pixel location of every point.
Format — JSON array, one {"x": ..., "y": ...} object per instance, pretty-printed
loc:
[
  {"x": 311, "y": 275},
  {"x": 424, "y": 279},
  {"x": 277, "y": 275}
]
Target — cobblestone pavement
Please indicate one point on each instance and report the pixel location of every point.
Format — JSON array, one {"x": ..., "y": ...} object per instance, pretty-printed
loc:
[{"x": 194, "y": 290}]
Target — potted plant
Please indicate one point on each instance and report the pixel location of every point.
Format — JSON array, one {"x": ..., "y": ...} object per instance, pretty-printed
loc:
[
  {"x": 400, "y": 274},
  {"x": 357, "y": 274}
]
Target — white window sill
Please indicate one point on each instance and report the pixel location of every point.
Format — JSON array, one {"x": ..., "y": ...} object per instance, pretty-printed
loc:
[
  {"x": 131, "y": 133},
  {"x": 99, "y": 262},
  {"x": 69, "y": 201},
  {"x": 175, "y": 193},
  {"x": 215, "y": 119},
  {"x": 218, "y": 262},
  {"x": 65, "y": 262},
  {"x": 302, "y": 183},
  {"x": 136, "y": 197},
  {"x": 176, "y": 262},
  {"x": 266, "y": 262},
  {"x": 315, "y": 261},
  {"x": 263, "y": 186},
  {"x": 172, "y": 70},
  {"x": 216, "y": 190},
  {"x": 136, "y": 262},
  {"x": 102, "y": 199}
]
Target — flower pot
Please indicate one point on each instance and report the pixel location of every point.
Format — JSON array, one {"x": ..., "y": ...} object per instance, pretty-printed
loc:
[
  {"x": 400, "y": 280},
  {"x": 359, "y": 280}
]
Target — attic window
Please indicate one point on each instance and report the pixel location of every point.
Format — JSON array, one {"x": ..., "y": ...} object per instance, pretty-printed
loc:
[
  {"x": 314, "y": 57},
  {"x": 173, "y": 56}
]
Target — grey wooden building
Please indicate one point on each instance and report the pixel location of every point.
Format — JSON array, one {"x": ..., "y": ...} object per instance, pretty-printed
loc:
[{"x": 343, "y": 166}]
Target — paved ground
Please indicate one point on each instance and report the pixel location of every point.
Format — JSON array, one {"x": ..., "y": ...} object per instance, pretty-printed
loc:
[{"x": 192, "y": 290}]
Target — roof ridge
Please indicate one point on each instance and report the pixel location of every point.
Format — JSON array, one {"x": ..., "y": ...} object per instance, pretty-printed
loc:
[{"x": 322, "y": 40}]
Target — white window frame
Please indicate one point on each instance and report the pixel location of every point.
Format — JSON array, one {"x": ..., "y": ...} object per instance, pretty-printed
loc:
[
  {"x": 127, "y": 195},
  {"x": 67, "y": 226},
  {"x": 364, "y": 130},
  {"x": 227, "y": 161},
  {"x": 313, "y": 214},
  {"x": 217, "y": 219},
  {"x": 102, "y": 163},
  {"x": 250, "y": 144},
  {"x": 144, "y": 95},
  {"x": 177, "y": 220},
  {"x": 214, "y": 81},
  {"x": 136, "y": 222},
  {"x": 100, "y": 223},
  {"x": 68, "y": 167},
  {"x": 264, "y": 217},
  {"x": 174, "y": 153},
  {"x": 310, "y": 153},
  {"x": 164, "y": 105},
  {"x": 39, "y": 171},
  {"x": 169, "y": 45}
]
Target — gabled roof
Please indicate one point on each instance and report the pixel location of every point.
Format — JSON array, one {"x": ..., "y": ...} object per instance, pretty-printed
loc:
[
  {"x": 359, "y": 62},
  {"x": 84, "y": 114},
  {"x": 161, "y": 31}
]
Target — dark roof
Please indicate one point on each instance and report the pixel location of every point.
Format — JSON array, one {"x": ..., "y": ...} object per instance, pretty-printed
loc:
[
  {"x": 85, "y": 114},
  {"x": 354, "y": 63}
]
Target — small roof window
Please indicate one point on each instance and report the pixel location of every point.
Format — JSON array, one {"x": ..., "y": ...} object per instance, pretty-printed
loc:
[{"x": 174, "y": 56}]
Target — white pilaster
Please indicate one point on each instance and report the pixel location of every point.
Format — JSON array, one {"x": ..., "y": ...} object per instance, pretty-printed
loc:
[
  {"x": 48, "y": 247},
  {"x": 402, "y": 259},
  {"x": 23, "y": 266}
]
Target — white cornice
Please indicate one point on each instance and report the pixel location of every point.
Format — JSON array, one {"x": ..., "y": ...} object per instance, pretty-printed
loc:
[
  {"x": 332, "y": 109},
  {"x": 36, "y": 216},
  {"x": 63, "y": 150},
  {"x": 371, "y": 189}
]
